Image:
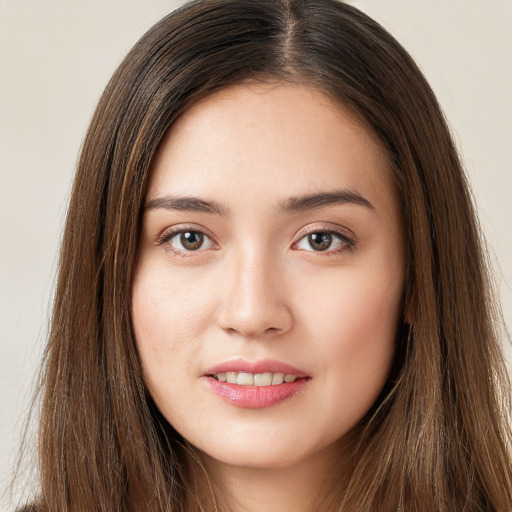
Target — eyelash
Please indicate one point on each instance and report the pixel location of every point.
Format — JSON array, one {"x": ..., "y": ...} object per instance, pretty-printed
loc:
[{"x": 347, "y": 242}]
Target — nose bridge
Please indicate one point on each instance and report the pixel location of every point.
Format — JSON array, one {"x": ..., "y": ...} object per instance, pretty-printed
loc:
[{"x": 254, "y": 302}]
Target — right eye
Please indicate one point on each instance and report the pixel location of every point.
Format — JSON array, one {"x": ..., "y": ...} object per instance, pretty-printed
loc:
[{"x": 186, "y": 241}]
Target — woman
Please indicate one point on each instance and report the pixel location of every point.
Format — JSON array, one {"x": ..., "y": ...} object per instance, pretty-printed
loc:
[{"x": 272, "y": 293}]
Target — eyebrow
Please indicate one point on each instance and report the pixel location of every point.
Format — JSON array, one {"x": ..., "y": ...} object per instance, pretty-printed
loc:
[{"x": 290, "y": 205}]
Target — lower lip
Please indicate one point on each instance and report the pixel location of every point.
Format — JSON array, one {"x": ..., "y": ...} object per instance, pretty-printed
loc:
[{"x": 255, "y": 397}]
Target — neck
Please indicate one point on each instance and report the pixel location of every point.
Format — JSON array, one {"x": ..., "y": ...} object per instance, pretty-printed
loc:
[{"x": 305, "y": 486}]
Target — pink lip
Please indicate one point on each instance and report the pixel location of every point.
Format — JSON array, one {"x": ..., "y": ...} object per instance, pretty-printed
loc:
[{"x": 255, "y": 397}]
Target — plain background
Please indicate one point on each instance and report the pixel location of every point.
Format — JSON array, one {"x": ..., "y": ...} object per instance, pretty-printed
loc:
[{"x": 57, "y": 56}]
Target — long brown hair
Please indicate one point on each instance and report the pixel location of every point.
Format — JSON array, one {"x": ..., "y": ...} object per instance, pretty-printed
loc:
[{"x": 438, "y": 437}]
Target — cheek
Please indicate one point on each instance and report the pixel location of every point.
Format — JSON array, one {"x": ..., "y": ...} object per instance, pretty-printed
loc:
[
  {"x": 351, "y": 306},
  {"x": 353, "y": 324},
  {"x": 167, "y": 319},
  {"x": 166, "y": 309},
  {"x": 167, "y": 322}
]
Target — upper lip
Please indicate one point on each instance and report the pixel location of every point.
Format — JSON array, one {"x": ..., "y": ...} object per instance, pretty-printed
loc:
[{"x": 261, "y": 366}]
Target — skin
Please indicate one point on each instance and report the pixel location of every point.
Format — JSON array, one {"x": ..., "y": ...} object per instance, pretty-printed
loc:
[{"x": 256, "y": 289}]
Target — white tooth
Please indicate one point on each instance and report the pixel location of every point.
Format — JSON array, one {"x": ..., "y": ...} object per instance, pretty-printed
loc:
[
  {"x": 289, "y": 378},
  {"x": 277, "y": 378},
  {"x": 263, "y": 379},
  {"x": 221, "y": 376},
  {"x": 231, "y": 377},
  {"x": 245, "y": 379}
]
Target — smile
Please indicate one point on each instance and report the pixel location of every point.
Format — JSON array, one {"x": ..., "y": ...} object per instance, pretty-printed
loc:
[
  {"x": 257, "y": 384},
  {"x": 254, "y": 379}
]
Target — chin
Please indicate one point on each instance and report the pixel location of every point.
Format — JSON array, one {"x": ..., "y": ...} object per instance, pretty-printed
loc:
[
  {"x": 268, "y": 452},
  {"x": 257, "y": 458}
]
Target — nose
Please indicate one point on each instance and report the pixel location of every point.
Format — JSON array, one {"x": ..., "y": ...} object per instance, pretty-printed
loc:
[{"x": 254, "y": 302}]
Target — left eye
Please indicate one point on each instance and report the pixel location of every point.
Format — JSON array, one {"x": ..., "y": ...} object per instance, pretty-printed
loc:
[{"x": 322, "y": 241}]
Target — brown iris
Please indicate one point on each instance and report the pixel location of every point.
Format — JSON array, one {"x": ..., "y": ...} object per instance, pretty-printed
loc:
[
  {"x": 320, "y": 241},
  {"x": 192, "y": 240}
]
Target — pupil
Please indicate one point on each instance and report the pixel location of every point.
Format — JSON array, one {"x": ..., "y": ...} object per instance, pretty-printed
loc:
[
  {"x": 320, "y": 241},
  {"x": 192, "y": 240}
]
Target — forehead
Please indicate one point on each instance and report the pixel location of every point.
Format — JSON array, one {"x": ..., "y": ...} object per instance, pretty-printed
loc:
[{"x": 269, "y": 141}]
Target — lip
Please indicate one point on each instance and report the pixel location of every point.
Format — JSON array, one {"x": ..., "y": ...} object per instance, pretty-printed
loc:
[{"x": 255, "y": 397}]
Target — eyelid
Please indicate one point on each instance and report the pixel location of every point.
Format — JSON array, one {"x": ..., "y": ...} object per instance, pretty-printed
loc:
[
  {"x": 324, "y": 228},
  {"x": 179, "y": 228}
]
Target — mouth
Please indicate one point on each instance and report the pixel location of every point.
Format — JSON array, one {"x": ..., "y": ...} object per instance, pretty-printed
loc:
[{"x": 255, "y": 385}]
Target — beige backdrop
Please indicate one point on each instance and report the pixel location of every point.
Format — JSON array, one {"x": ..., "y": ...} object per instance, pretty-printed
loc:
[{"x": 55, "y": 59}]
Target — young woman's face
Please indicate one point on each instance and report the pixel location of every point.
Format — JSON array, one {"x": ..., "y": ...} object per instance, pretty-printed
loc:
[{"x": 271, "y": 257}]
